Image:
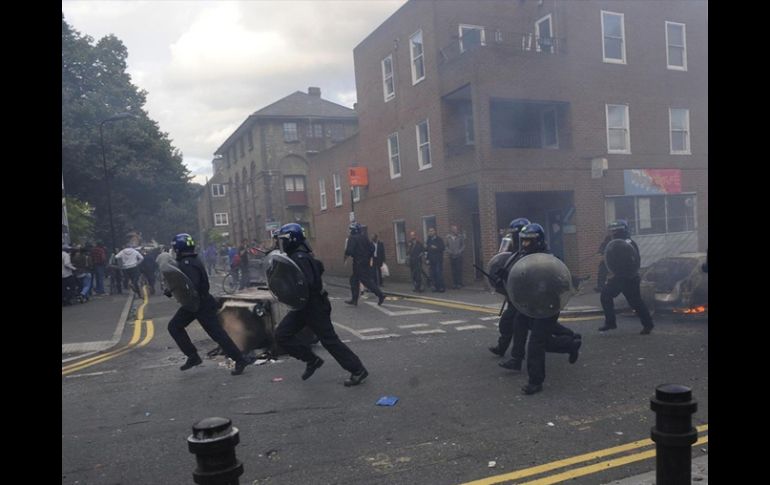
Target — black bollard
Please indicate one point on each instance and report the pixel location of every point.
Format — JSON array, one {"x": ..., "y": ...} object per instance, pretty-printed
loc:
[
  {"x": 673, "y": 433},
  {"x": 213, "y": 443}
]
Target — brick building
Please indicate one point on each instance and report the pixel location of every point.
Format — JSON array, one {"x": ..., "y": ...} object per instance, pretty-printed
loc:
[
  {"x": 214, "y": 205},
  {"x": 571, "y": 114},
  {"x": 264, "y": 164}
]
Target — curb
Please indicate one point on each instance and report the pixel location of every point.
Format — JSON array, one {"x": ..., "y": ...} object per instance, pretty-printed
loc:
[{"x": 94, "y": 347}]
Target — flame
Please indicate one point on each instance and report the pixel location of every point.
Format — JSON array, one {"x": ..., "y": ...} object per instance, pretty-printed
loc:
[{"x": 693, "y": 310}]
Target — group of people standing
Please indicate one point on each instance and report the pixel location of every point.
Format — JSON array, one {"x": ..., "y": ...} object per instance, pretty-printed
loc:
[{"x": 433, "y": 251}]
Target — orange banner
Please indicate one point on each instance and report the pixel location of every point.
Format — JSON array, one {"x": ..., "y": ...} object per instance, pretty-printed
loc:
[{"x": 358, "y": 176}]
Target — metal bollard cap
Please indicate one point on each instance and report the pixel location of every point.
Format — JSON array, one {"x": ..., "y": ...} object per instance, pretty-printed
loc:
[
  {"x": 210, "y": 428},
  {"x": 673, "y": 393}
]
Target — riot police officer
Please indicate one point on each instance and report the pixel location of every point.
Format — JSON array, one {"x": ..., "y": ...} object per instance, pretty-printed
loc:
[
  {"x": 547, "y": 335},
  {"x": 189, "y": 263},
  {"x": 316, "y": 313},
  {"x": 627, "y": 283},
  {"x": 360, "y": 249}
]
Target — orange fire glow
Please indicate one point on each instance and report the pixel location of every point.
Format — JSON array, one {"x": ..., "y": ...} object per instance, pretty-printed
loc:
[{"x": 693, "y": 310}]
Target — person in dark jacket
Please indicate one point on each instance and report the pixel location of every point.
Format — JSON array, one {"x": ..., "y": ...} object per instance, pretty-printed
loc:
[
  {"x": 378, "y": 258},
  {"x": 316, "y": 313},
  {"x": 360, "y": 249},
  {"x": 629, "y": 285},
  {"x": 414, "y": 250},
  {"x": 435, "y": 249},
  {"x": 190, "y": 264}
]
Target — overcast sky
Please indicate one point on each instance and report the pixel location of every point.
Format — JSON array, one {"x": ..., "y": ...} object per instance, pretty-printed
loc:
[{"x": 207, "y": 65}]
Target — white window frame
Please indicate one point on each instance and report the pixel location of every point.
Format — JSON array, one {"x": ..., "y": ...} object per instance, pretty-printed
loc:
[
  {"x": 548, "y": 17},
  {"x": 400, "y": 250},
  {"x": 285, "y": 131},
  {"x": 470, "y": 27},
  {"x": 420, "y": 164},
  {"x": 391, "y": 156},
  {"x": 420, "y": 58},
  {"x": 223, "y": 219},
  {"x": 627, "y": 127},
  {"x": 425, "y": 227},
  {"x": 612, "y": 60},
  {"x": 220, "y": 190},
  {"x": 290, "y": 183},
  {"x": 322, "y": 192},
  {"x": 392, "y": 94},
  {"x": 356, "y": 193},
  {"x": 337, "y": 190},
  {"x": 688, "y": 148},
  {"x": 555, "y": 126},
  {"x": 670, "y": 66}
]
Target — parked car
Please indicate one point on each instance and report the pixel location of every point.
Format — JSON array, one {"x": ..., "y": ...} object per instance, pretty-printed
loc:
[{"x": 679, "y": 281}]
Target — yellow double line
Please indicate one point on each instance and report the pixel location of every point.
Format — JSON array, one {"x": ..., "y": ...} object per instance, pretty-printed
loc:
[
  {"x": 134, "y": 343},
  {"x": 584, "y": 470}
]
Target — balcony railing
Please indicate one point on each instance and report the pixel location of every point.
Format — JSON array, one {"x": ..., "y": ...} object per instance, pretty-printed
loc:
[{"x": 499, "y": 40}]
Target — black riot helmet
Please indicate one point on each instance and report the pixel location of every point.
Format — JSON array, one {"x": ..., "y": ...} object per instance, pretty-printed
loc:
[
  {"x": 511, "y": 241},
  {"x": 534, "y": 237},
  {"x": 289, "y": 237},
  {"x": 618, "y": 229}
]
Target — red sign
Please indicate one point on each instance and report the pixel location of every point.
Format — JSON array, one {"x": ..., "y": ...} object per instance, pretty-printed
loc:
[{"x": 358, "y": 176}]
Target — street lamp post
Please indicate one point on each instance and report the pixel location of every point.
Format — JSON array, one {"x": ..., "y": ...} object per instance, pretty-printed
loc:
[{"x": 107, "y": 177}]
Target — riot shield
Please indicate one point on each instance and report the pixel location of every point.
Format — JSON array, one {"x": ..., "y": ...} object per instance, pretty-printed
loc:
[
  {"x": 178, "y": 283},
  {"x": 539, "y": 285},
  {"x": 286, "y": 280},
  {"x": 621, "y": 258},
  {"x": 497, "y": 263}
]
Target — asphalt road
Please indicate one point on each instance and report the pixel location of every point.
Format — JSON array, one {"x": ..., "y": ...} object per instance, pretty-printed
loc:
[{"x": 125, "y": 420}]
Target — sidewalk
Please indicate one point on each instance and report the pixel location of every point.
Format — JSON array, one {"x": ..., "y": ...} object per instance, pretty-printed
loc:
[
  {"x": 95, "y": 325},
  {"x": 584, "y": 303}
]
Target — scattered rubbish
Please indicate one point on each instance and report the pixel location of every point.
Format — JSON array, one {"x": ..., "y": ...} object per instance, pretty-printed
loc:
[
  {"x": 387, "y": 401},
  {"x": 492, "y": 464},
  {"x": 147, "y": 413},
  {"x": 619, "y": 433},
  {"x": 550, "y": 424},
  {"x": 172, "y": 419},
  {"x": 277, "y": 379},
  {"x": 640, "y": 358},
  {"x": 670, "y": 355}
]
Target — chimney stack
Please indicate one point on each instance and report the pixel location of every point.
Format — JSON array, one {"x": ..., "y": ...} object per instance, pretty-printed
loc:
[{"x": 313, "y": 91}]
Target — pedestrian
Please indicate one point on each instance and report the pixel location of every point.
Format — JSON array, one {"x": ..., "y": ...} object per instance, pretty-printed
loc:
[
  {"x": 81, "y": 259},
  {"x": 99, "y": 260},
  {"x": 148, "y": 267},
  {"x": 210, "y": 257},
  {"x": 316, "y": 313},
  {"x": 360, "y": 249},
  {"x": 378, "y": 258},
  {"x": 243, "y": 253},
  {"x": 116, "y": 273},
  {"x": 546, "y": 334},
  {"x": 69, "y": 284},
  {"x": 455, "y": 245},
  {"x": 435, "y": 249},
  {"x": 414, "y": 250},
  {"x": 189, "y": 264},
  {"x": 628, "y": 284},
  {"x": 130, "y": 259}
]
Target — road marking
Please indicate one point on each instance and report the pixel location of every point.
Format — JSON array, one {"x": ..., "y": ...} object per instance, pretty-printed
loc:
[
  {"x": 362, "y": 336},
  {"x": 452, "y": 322},
  {"x": 489, "y": 318},
  {"x": 367, "y": 330},
  {"x": 462, "y": 306},
  {"x": 113, "y": 371},
  {"x": 470, "y": 327},
  {"x": 572, "y": 461},
  {"x": 374, "y": 337},
  {"x": 422, "y": 332},
  {"x": 413, "y": 325},
  {"x": 408, "y": 310}
]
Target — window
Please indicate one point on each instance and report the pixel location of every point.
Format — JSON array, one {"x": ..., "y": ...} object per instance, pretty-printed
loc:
[
  {"x": 217, "y": 190},
  {"x": 654, "y": 214},
  {"x": 544, "y": 34},
  {"x": 251, "y": 141},
  {"x": 388, "y": 87},
  {"x": 423, "y": 145},
  {"x": 471, "y": 36},
  {"x": 294, "y": 183},
  {"x": 679, "y": 123},
  {"x": 613, "y": 33},
  {"x": 427, "y": 223},
  {"x": 618, "y": 140},
  {"x": 338, "y": 131},
  {"x": 220, "y": 219},
  {"x": 314, "y": 130},
  {"x": 676, "y": 46},
  {"x": 550, "y": 130},
  {"x": 395, "y": 161},
  {"x": 418, "y": 64},
  {"x": 470, "y": 134},
  {"x": 322, "y": 191},
  {"x": 337, "y": 190},
  {"x": 290, "y": 132},
  {"x": 399, "y": 230},
  {"x": 356, "y": 193}
]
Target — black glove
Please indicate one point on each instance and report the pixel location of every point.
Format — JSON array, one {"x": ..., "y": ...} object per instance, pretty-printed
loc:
[{"x": 167, "y": 292}]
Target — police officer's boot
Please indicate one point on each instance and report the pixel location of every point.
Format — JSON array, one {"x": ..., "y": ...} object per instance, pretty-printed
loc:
[
  {"x": 192, "y": 361},
  {"x": 356, "y": 378}
]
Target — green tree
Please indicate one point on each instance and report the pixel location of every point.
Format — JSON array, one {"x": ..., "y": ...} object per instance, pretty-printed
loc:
[
  {"x": 81, "y": 220},
  {"x": 150, "y": 186}
]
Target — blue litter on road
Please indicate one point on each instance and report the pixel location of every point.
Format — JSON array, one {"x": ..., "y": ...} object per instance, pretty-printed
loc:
[{"x": 387, "y": 401}]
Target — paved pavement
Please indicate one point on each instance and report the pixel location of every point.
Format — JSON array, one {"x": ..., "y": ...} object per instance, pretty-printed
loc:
[{"x": 98, "y": 325}]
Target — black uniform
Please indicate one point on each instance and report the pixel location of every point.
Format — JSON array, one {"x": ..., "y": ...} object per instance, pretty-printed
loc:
[
  {"x": 629, "y": 286},
  {"x": 316, "y": 314},
  {"x": 206, "y": 315},
  {"x": 414, "y": 254},
  {"x": 361, "y": 250}
]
